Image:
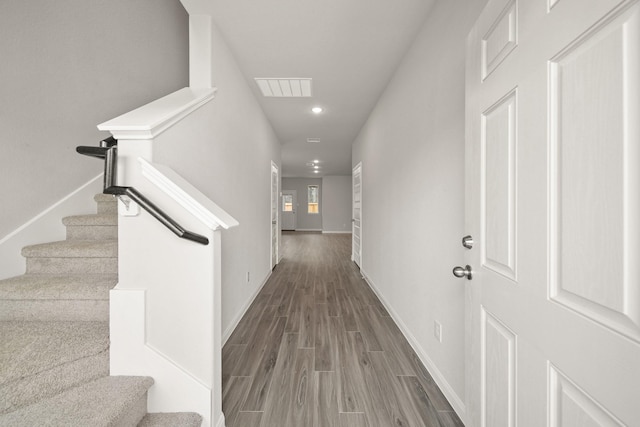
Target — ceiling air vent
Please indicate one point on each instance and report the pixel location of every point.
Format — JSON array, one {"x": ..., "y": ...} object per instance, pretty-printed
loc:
[
  {"x": 313, "y": 140},
  {"x": 284, "y": 88}
]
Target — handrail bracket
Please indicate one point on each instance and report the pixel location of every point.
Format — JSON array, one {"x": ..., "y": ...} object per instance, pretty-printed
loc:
[{"x": 108, "y": 150}]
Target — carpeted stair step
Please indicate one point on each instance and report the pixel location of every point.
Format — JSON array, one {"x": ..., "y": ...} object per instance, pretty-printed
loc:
[
  {"x": 38, "y": 297},
  {"x": 72, "y": 257},
  {"x": 92, "y": 227},
  {"x": 106, "y": 203},
  {"x": 105, "y": 402},
  {"x": 177, "y": 419},
  {"x": 41, "y": 359}
]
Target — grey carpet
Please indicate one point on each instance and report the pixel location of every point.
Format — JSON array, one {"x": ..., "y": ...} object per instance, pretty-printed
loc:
[
  {"x": 92, "y": 227},
  {"x": 182, "y": 419},
  {"x": 54, "y": 335},
  {"x": 105, "y": 402},
  {"x": 73, "y": 249},
  {"x": 31, "y": 286},
  {"x": 38, "y": 359}
]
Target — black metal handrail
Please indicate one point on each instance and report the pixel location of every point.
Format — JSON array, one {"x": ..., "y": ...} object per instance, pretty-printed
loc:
[{"x": 108, "y": 150}]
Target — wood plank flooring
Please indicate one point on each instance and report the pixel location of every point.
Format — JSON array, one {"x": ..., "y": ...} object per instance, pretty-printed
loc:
[{"x": 318, "y": 349}]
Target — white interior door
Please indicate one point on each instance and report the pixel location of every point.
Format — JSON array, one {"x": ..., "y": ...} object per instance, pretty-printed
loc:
[
  {"x": 356, "y": 219},
  {"x": 553, "y": 204},
  {"x": 274, "y": 215},
  {"x": 289, "y": 208}
]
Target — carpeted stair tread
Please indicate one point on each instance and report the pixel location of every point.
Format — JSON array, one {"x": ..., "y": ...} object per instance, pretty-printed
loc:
[
  {"x": 45, "y": 287},
  {"x": 73, "y": 249},
  {"x": 175, "y": 419},
  {"x": 107, "y": 401},
  {"x": 106, "y": 203},
  {"x": 104, "y": 198},
  {"x": 41, "y": 359},
  {"x": 91, "y": 219},
  {"x": 29, "y": 348}
]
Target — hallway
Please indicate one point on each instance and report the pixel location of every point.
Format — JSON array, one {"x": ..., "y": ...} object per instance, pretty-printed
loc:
[{"x": 317, "y": 348}]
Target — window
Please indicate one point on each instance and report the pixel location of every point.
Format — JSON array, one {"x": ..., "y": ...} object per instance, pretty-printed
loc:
[
  {"x": 312, "y": 199},
  {"x": 287, "y": 203}
]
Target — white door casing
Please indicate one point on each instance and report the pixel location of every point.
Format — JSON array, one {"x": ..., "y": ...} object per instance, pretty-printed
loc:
[
  {"x": 289, "y": 218},
  {"x": 275, "y": 230},
  {"x": 553, "y": 204},
  {"x": 356, "y": 218}
]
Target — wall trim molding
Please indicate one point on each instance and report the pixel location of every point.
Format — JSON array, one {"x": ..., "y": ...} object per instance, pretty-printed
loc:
[
  {"x": 46, "y": 226},
  {"x": 456, "y": 402},
  {"x": 335, "y": 232},
  {"x": 152, "y": 119}
]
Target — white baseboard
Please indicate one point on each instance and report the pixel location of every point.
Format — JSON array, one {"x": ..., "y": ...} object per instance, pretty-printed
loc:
[
  {"x": 456, "y": 402},
  {"x": 307, "y": 229},
  {"x": 336, "y": 232},
  {"x": 46, "y": 226},
  {"x": 227, "y": 333}
]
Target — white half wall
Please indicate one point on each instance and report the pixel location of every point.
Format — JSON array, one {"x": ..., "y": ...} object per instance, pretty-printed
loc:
[
  {"x": 336, "y": 204},
  {"x": 412, "y": 154},
  {"x": 228, "y": 159}
]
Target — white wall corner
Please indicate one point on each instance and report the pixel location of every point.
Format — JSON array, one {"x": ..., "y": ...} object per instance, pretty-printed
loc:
[
  {"x": 200, "y": 52},
  {"x": 456, "y": 402}
]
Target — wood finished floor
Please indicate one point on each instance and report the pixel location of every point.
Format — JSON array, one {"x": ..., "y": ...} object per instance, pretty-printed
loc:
[{"x": 318, "y": 349}]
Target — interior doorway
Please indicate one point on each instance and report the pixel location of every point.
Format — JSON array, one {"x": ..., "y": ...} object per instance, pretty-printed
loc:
[
  {"x": 289, "y": 208},
  {"x": 275, "y": 180},
  {"x": 356, "y": 218}
]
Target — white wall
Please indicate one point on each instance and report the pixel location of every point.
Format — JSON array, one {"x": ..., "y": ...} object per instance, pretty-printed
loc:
[
  {"x": 412, "y": 153},
  {"x": 67, "y": 66},
  {"x": 336, "y": 204},
  {"x": 305, "y": 220},
  {"x": 230, "y": 162}
]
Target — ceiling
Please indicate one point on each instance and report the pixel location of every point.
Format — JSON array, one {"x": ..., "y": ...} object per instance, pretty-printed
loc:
[{"x": 350, "y": 48}]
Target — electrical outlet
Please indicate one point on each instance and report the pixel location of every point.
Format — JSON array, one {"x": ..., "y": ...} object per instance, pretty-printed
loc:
[{"x": 437, "y": 330}]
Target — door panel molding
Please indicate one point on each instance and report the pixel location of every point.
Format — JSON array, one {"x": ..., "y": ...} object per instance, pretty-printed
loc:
[
  {"x": 499, "y": 372},
  {"x": 594, "y": 155},
  {"x": 499, "y": 185},
  {"x": 570, "y": 405},
  {"x": 500, "y": 39}
]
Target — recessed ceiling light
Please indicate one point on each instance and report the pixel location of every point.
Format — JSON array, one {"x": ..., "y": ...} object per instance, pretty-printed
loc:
[
  {"x": 316, "y": 166},
  {"x": 317, "y": 110},
  {"x": 316, "y": 171},
  {"x": 316, "y": 161}
]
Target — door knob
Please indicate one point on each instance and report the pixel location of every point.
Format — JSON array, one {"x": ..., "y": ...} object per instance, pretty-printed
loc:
[{"x": 462, "y": 272}]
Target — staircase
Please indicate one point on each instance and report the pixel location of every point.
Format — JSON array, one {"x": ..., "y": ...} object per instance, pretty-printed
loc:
[{"x": 54, "y": 335}]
